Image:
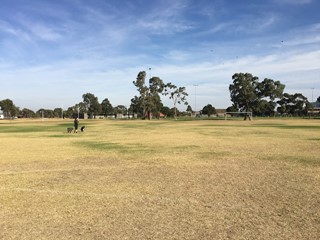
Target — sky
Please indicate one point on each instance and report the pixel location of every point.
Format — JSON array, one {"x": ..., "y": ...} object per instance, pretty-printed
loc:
[{"x": 53, "y": 52}]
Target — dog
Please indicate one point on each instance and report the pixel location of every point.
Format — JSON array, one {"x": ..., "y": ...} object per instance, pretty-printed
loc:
[
  {"x": 69, "y": 130},
  {"x": 82, "y": 128}
]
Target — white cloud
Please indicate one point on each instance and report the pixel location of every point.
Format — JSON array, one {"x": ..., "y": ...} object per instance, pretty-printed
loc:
[
  {"x": 166, "y": 18},
  {"x": 15, "y": 31},
  {"x": 44, "y": 32}
]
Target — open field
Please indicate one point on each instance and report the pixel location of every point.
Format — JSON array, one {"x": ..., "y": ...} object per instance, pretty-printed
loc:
[{"x": 208, "y": 179}]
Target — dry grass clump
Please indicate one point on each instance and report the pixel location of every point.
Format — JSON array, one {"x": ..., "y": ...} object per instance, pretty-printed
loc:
[{"x": 160, "y": 180}]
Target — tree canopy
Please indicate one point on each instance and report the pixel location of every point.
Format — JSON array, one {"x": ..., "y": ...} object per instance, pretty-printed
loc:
[
  {"x": 92, "y": 104},
  {"x": 149, "y": 102},
  {"x": 293, "y": 104},
  {"x": 8, "y": 108},
  {"x": 209, "y": 110},
  {"x": 250, "y": 95},
  {"x": 177, "y": 94},
  {"x": 106, "y": 107}
]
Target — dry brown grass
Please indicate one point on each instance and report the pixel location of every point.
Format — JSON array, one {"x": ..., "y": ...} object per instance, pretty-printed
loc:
[{"x": 160, "y": 180}]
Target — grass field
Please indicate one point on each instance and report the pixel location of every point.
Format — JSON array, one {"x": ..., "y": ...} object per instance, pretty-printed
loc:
[{"x": 206, "y": 179}]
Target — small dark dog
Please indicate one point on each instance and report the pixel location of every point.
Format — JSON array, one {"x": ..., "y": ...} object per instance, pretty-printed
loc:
[
  {"x": 69, "y": 130},
  {"x": 82, "y": 128}
]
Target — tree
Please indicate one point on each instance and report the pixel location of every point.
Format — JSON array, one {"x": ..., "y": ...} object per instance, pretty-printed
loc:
[
  {"x": 70, "y": 111},
  {"x": 267, "y": 91},
  {"x": 149, "y": 100},
  {"x": 156, "y": 87},
  {"x": 264, "y": 108},
  {"x": 144, "y": 91},
  {"x": 106, "y": 107},
  {"x": 174, "y": 112},
  {"x": 248, "y": 94},
  {"x": 177, "y": 94},
  {"x": 27, "y": 113},
  {"x": 76, "y": 109},
  {"x": 318, "y": 102},
  {"x": 121, "y": 109},
  {"x": 243, "y": 91},
  {"x": 232, "y": 108},
  {"x": 209, "y": 110},
  {"x": 136, "y": 106},
  {"x": 293, "y": 104},
  {"x": 8, "y": 108},
  {"x": 189, "y": 110},
  {"x": 166, "y": 111},
  {"x": 45, "y": 113},
  {"x": 92, "y": 104},
  {"x": 57, "y": 112}
]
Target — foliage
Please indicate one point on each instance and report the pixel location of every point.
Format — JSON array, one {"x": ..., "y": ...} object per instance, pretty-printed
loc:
[
  {"x": 77, "y": 108},
  {"x": 270, "y": 88},
  {"x": 144, "y": 91},
  {"x": 57, "y": 112},
  {"x": 209, "y": 110},
  {"x": 263, "y": 107},
  {"x": 232, "y": 108},
  {"x": 243, "y": 91},
  {"x": 166, "y": 111},
  {"x": 149, "y": 101},
  {"x": 177, "y": 94},
  {"x": 189, "y": 109},
  {"x": 136, "y": 106},
  {"x": 156, "y": 87},
  {"x": 27, "y": 113},
  {"x": 106, "y": 107},
  {"x": 121, "y": 109},
  {"x": 293, "y": 104},
  {"x": 317, "y": 103},
  {"x": 174, "y": 112},
  {"x": 92, "y": 104},
  {"x": 45, "y": 113},
  {"x": 8, "y": 108},
  {"x": 248, "y": 94}
]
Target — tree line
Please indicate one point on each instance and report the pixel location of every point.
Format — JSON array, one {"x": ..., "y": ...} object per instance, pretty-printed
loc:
[
  {"x": 265, "y": 98},
  {"x": 247, "y": 93}
]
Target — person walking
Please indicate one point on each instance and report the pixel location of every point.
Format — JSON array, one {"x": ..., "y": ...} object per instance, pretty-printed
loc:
[{"x": 76, "y": 124}]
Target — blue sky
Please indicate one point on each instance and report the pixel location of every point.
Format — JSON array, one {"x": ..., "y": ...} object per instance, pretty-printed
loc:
[{"x": 52, "y": 52}]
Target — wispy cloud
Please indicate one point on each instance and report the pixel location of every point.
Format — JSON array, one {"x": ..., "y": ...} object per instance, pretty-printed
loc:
[
  {"x": 166, "y": 18},
  {"x": 44, "y": 32},
  {"x": 18, "y": 33},
  {"x": 294, "y": 2}
]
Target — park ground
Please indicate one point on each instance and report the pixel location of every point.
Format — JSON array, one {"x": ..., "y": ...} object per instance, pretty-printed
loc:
[{"x": 160, "y": 179}]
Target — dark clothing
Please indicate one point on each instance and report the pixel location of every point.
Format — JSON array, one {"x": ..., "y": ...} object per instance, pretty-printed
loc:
[{"x": 75, "y": 124}]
